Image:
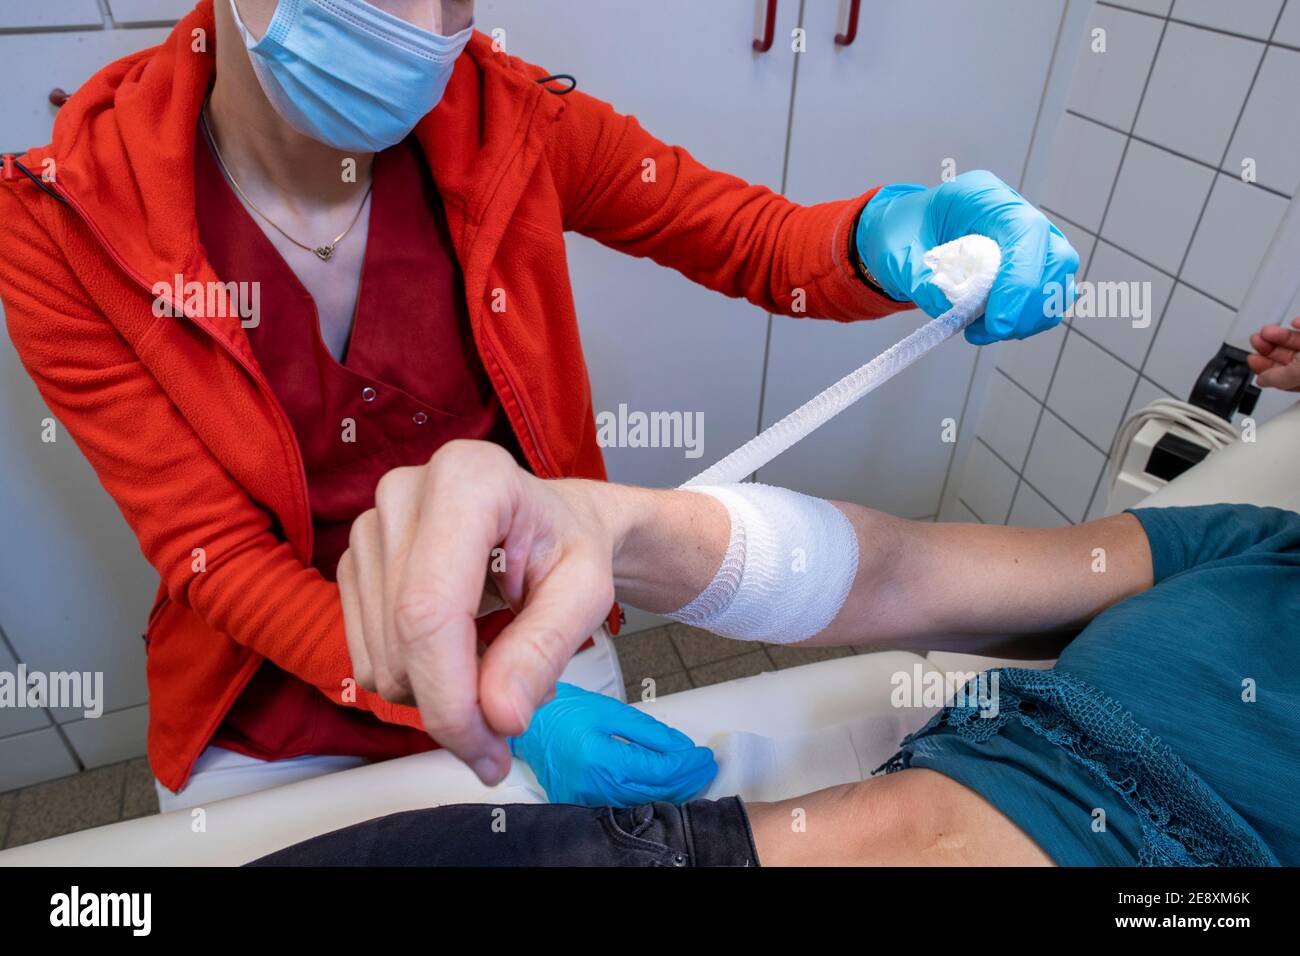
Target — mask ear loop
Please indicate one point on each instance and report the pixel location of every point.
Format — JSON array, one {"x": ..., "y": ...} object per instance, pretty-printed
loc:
[{"x": 573, "y": 83}]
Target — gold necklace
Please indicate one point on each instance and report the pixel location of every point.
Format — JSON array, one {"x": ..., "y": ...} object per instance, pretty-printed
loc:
[{"x": 322, "y": 252}]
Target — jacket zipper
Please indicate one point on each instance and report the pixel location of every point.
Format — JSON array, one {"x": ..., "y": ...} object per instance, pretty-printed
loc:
[{"x": 252, "y": 370}]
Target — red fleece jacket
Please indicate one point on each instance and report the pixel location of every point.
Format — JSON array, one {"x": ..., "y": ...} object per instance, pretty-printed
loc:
[{"x": 179, "y": 422}]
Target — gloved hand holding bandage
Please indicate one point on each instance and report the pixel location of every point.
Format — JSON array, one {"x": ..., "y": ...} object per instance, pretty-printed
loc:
[{"x": 789, "y": 565}]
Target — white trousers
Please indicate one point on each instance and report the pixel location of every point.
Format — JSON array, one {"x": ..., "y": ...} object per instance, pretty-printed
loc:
[{"x": 220, "y": 773}]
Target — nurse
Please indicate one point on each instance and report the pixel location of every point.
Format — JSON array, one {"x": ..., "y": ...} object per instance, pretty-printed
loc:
[{"x": 370, "y": 203}]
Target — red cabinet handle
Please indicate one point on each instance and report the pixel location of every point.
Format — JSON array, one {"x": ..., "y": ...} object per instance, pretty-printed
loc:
[
  {"x": 769, "y": 29},
  {"x": 58, "y": 97},
  {"x": 846, "y": 39}
]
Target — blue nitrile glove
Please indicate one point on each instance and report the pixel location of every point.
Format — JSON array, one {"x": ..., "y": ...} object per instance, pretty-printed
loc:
[
  {"x": 1034, "y": 286},
  {"x": 571, "y": 746}
]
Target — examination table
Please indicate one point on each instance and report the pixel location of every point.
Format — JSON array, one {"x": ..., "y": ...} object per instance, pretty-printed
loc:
[{"x": 776, "y": 735}]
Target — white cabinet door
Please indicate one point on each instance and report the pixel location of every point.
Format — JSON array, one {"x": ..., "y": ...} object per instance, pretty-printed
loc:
[
  {"x": 38, "y": 63},
  {"x": 924, "y": 82},
  {"x": 687, "y": 70}
]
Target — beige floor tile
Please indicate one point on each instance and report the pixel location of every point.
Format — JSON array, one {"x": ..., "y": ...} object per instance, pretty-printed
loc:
[
  {"x": 746, "y": 665},
  {"x": 140, "y": 798},
  {"x": 6, "y": 813},
  {"x": 647, "y": 654},
  {"x": 663, "y": 686},
  {"x": 788, "y": 655},
  {"x": 79, "y": 802},
  {"x": 698, "y": 647}
]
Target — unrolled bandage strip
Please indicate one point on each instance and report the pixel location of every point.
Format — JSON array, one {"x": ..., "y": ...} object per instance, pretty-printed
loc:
[{"x": 791, "y": 559}]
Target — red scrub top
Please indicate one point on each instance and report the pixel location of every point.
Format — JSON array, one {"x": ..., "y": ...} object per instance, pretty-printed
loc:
[{"x": 410, "y": 380}]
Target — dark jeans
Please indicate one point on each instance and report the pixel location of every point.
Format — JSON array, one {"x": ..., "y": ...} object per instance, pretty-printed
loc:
[{"x": 699, "y": 833}]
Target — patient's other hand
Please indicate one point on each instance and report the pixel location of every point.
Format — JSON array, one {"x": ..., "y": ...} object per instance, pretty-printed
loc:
[
  {"x": 412, "y": 582},
  {"x": 1277, "y": 362},
  {"x": 573, "y": 747}
]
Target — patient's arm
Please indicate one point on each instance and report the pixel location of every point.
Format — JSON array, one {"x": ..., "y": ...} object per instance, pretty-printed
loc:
[
  {"x": 411, "y": 590},
  {"x": 977, "y": 588}
]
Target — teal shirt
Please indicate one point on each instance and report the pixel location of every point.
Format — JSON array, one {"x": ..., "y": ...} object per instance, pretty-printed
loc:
[{"x": 1173, "y": 718}]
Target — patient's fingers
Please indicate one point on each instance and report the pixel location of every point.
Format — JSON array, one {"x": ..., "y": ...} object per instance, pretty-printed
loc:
[
  {"x": 366, "y": 588},
  {"x": 465, "y": 505},
  {"x": 397, "y": 504},
  {"x": 1259, "y": 364},
  {"x": 521, "y": 667},
  {"x": 1284, "y": 377},
  {"x": 352, "y": 627},
  {"x": 1277, "y": 344}
]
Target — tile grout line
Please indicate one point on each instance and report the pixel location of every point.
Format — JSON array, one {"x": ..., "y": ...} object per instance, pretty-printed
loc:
[
  {"x": 1132, "y": 255},
  {"x": 1184, "y": 156},
  {"x": 1141, "y": 378},
  {"x": 49, "y": 714},
  {"x": 1201, "y": 26},
  {"x": 1028, "y": 484}
]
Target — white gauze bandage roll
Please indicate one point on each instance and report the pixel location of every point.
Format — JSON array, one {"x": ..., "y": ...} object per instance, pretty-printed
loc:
[{"x": 790, "y": 563}]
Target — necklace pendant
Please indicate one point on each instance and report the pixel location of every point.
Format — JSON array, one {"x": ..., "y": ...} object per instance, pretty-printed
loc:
[{"x": 324, "y": 252}]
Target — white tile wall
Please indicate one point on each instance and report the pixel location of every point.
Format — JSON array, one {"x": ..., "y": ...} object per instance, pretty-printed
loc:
[
  {"x": 1270, "y": 128},
  {"x": 1007, "y": 419},
  {"x": 1091, "y": 389},
  {"x": 1063, "y": 466},
  {"x": 1157, "y": 199},
  {"x": 109, "y": 738},
  {"x": 1120, "y": 336},
  {"x": 1108, "y": 82},
  {"x": 1219, "y": 82},
  {"x": 1031, "y": 361},
  {"x": 1032, "y": 510},
  {"x": 1196, "y": 91},
  {"x": 1288, "y": 28},
  {"x": 18, "y": 720},
  {"x": 1084, "y": 159},
  {"x": 32, "y": 757},
  {"x": 1235, "y": 232},
  {"x": 1190, "y": 334},
  {"x": 987, "y": 485}
]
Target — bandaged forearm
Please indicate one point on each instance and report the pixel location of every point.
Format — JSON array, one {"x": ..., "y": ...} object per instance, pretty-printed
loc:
[{"x": 789, "y": 565}]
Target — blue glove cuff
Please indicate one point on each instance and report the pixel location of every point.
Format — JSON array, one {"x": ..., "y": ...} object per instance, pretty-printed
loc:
[{"x": 872, "y": 240}]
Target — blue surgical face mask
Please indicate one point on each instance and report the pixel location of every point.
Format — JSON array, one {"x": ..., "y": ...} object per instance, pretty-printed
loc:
[{"x": 348, "y": 74}]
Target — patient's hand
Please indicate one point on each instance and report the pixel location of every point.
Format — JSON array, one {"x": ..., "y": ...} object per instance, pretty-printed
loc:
[
  {"x": 412, "y": 582},
  {"x": 1277, "y": 360},
  {"x": 595, "y": 751}
]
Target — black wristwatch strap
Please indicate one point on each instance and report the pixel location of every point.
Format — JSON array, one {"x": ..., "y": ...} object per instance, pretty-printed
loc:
[{"x": 860, "y": 267}]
